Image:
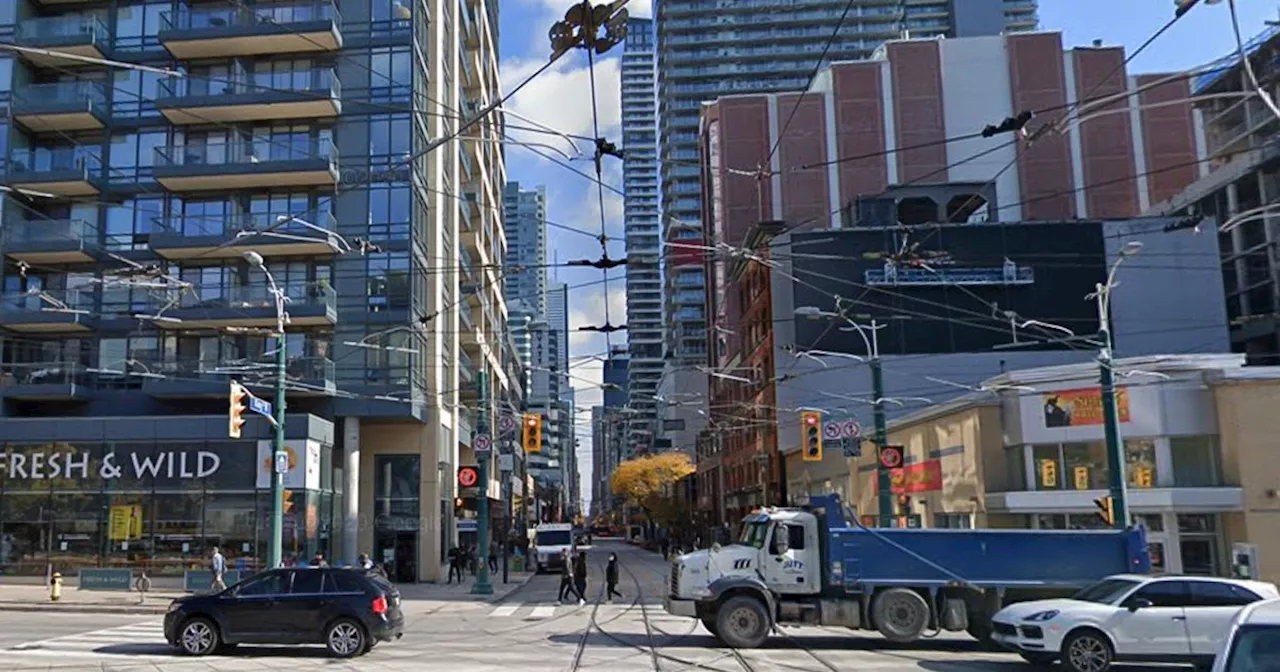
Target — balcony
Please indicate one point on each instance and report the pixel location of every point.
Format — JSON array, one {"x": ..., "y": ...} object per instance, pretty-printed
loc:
[
  {"x": 229, "y": 30},
  {"x": 42, "y": 381},
  {"x": 60, "y": 171},
  {"x": 310, "y": 305},
  {"x": 48, "y": 312},
  {"x": 49, "y": 241},
  {"x": 195, "y": 378},
  {"x": 85, "y": 36},
  {"x": 470, "y": 29},
  {"x": 246, "y": 165},
  {"x": 305, "y": 94},
  {"x": 466, "y": 369},
  {"x": 182, "y": 237},
  {"x": 61, "y": 106}
]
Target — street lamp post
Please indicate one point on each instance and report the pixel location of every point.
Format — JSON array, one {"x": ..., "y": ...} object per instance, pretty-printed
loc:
[
  {"x": 884, "y": 480},
  {"x": 482, "y": 585},
  {"x": 1106, "y": 375},
  {"x": 279, "y": 458}
]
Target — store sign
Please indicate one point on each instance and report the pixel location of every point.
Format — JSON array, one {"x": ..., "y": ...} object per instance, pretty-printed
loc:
[
  {"x": 78, "y": 464},
  {"x": 1081, "y": 407},
  {"x": 303, "y": 469}
]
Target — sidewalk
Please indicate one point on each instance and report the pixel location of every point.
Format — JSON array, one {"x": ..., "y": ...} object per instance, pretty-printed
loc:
[{"x": 35, "y": 597}]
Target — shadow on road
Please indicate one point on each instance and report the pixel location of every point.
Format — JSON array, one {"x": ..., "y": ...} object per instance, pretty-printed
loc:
[
  {"x": 815, "y": 643},
  {"x": 317, "y": 652}
]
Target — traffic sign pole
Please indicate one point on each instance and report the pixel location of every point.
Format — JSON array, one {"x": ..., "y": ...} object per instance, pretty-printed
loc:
[{"x": 483, "y": 586}]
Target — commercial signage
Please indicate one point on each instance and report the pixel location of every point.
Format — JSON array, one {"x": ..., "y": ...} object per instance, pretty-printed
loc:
[
  {"x": 303, "y": 469},
  {"x": 919, "y": 477},
  {"x": 79, "y": 464},
  {"x": 1081, "y": 407},
  {"x": 125, "y": 522}
]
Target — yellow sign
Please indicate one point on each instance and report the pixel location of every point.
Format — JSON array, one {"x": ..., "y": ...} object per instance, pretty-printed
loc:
[
  {"x": 1081, "y": 475},
  {"x": 1082, "y": 407},
  {"x": 125, "y": 522},
  {"x": 1048, "y": 473},
  {"x": 1142, "y": 476}
]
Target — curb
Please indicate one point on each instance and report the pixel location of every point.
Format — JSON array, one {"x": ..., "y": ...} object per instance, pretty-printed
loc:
[{"x": 140, "y": 609}]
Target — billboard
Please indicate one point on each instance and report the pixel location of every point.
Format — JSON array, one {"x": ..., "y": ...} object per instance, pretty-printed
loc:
[{"x": 1080, "y": 407}]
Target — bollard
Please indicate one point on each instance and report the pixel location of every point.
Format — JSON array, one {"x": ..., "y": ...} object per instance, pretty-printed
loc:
[
  {"x": 55, "y": 587},
  {"x": 142, "y": 585}
]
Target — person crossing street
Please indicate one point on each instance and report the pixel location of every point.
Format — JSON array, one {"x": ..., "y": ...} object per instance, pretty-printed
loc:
[{"x": 611, "y": 577}]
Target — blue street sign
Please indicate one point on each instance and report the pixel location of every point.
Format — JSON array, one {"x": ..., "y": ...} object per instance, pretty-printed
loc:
[{"x": 260, "y": 406}]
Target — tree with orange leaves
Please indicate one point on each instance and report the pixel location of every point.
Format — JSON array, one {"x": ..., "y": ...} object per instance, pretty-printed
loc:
[{"x": 648, "y": 480}]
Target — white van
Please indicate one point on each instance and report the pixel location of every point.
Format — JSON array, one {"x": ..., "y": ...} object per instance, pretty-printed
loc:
[
  {"x": 550, "y": 541},
  {"x": 1253, "y": 645}
]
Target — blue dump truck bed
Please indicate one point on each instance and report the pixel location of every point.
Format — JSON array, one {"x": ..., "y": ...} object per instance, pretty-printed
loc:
[{"x": 983, "y": 558}]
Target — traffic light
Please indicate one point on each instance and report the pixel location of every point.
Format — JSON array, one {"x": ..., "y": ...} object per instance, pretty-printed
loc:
[
  {"x": 236, "y": 411},
  {"x": 811, "y": 422},
  {"x": 532, "y": 440},
  {"x": 287, "y": 496},
  {"x": 1106, "y": 509}
]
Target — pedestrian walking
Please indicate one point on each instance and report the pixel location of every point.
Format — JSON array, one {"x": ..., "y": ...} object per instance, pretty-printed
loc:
[
  {"x": 580, "y": 576},
  {"x": 319, "y": 560},
  {"x": 455, "y": 564},
  {"x": 364, "y": 562},
  {"x": 566, "y": 575},
  {"x": 611, "y": 576},
  {"x": 665, "y": 543},
  {"x": 493, "y": 558},
  {"x": 217, "y": 565}
]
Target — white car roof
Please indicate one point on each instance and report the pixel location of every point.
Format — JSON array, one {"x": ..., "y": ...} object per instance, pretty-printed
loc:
[
  {"x": 1260, "y": 587},
  {"x": 1266, "y": 612}
]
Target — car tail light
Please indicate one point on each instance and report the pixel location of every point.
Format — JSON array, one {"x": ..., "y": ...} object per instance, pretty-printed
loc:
[{"x": 380, "y": 605}]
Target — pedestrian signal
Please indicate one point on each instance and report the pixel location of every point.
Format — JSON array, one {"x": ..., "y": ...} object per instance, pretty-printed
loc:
[{"x": 811, "y": 424}]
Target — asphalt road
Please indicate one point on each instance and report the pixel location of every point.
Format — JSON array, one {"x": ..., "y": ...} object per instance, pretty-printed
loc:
[{"x": 528, "y": 632}]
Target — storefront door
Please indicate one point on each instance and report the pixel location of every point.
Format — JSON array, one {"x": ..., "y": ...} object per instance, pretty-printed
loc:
[{"x": 398, "y": 553}]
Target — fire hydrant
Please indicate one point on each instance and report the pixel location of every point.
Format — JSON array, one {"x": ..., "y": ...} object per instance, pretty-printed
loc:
[{"x": 55, "y": 587}]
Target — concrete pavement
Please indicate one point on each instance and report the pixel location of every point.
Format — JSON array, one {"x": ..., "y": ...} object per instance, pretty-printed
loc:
[{"x": 528, "y": 631}]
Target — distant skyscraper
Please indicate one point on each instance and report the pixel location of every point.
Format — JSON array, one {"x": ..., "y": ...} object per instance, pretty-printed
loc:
[
  {"x": 525, "y": 224},
  {"x": 712, "y": 49},
  {"x": 640, "y": 208}
]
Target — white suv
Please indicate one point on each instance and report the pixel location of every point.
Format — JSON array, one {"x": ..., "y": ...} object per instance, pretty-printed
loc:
[
  {"x": 1123, "y": 618},
  {"x": 1254, "y": 643}
]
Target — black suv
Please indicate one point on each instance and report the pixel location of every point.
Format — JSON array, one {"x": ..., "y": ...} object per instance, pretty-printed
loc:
[{"x": 346, "y": 610}]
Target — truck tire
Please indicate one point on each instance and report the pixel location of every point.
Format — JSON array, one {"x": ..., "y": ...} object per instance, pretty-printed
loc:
[
  {"x": 1086, "y": 650},
  {"x": 742, "y": 622},
  {"x": 900, "y": 615},
  {"x": 709, "y": 622}
]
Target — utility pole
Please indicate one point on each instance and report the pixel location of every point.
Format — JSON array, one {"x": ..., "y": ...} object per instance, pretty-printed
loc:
[
  {"x": 280, "y": 457},
  {"x": 1107, "y": 389},
  {"x": 884, "y": 482},
  {"x": 482, "y": 585}
]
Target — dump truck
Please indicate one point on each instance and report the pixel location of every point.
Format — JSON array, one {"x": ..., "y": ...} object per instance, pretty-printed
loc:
[{"x": 817, "y": 565}]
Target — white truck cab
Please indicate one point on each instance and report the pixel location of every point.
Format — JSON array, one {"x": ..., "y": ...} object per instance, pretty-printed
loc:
[
  {"x": 550, "y": 541},
  {"x": 734, "y": 590}
]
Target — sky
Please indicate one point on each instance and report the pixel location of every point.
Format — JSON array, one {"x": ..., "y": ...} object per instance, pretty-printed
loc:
[{"x": 561, "y": 99}]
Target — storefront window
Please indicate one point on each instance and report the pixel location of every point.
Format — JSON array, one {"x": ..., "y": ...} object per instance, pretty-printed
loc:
[
  {"x": 229, "y": 525},
  {"x": 1198, "y": 543},
  {"x": 1086, "y": 465},
  {"x": 1048, "y": 463},
  {"x": 176, "y": 532},
  {"x": 1016, "y": 463},
  {"x": 76, "y": 529},
  {"x": 1140, "y": 462},
  {"x": 25, "y": 533},
  {"x": 1154, "y": 522},
  {"x": 127, "y": 521},
  {"x": 1195, "y": 461}
]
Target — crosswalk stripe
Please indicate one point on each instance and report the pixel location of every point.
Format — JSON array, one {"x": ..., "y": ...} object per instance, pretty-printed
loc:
[
  {"x": 506, "y": 610},
  {"x": 543, "y": 612}
]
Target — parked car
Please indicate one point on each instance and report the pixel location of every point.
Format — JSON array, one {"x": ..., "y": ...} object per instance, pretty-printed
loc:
[
  {"x": 1254, "y": 642},
  {"x": 347, "y": 610},
  {"x": 1129, "y": 618}
]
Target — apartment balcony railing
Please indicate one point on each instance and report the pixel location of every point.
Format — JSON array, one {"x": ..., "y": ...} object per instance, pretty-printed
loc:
[
  {"x": 259, "y": 163},
  {"x": 231, "y": 30},
  {"x": 60, "y": 171},
  {"x": 43, "y": 381},
  {"x": 301, "y": 94},
  {"x": 309, "y": 305},
  {"x": 61, "y": 106},
  {"x": 74, "y": 35},
  {"x": 204, "y": 377},
  {"x": 48, "y": 311},
  {"x": 470, "y": 28},
  {"x": 49, "y": 241},
  {"x": 184, "y": 237}
]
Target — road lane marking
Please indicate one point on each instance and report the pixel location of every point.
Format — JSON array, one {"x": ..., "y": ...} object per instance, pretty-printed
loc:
[
  {"x": 543, "y": 612},
  {"x": 507, "y": 610}
]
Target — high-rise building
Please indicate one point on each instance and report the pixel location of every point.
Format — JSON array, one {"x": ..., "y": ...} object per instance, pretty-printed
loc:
[
  {"x": 608, "y": 429},
  {"x": 288, "y": 135},
  {"x": 525, "y": 279},
  {"x": 643, "y": 229},
  {"x": 709, "y": 49}
]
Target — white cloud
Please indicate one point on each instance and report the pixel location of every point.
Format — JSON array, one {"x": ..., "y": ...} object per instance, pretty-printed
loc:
[
  {"x": 561, "y": 96},
  {"x": 587, "y": 308}
]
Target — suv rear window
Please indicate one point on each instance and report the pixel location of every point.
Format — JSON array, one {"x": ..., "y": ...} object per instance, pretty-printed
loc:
[{"x": 344, "y": 582}]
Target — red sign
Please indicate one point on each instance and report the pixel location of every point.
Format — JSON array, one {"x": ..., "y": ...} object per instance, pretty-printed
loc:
[
  {"x": 468, "y": 477},
  {"x": 919, "y": 477},
  {"x": 891, "y": 456}
]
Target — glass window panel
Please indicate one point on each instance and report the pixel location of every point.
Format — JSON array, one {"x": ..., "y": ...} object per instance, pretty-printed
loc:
[
  {"x": 229, "y": 524},
  {"x": 276, "y": 583},
  {"x": 1196, "y": 522},
  {"x": 1140, "y": 463},
  {"x": 308, "y": 582},
  {"x": 1086, "y": 466},
  {"x": 1048, "y": 467},
  {"x": 176, "y": 531},
  {"x": 1195, "y": 461},
  {"x": 25, "y": 533}
]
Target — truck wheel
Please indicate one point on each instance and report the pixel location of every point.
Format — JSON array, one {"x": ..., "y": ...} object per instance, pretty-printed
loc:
[
  {"x": 901, "y": 615},
  {"x": 709, "y": 622},
  {"x": 1086, "y": 651},
  {"x": 742, "y": 623}
]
